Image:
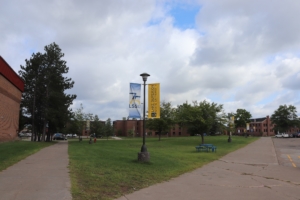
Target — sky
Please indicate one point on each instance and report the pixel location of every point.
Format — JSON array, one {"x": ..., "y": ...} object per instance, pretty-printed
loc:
[{"x": 241, "y": 54}]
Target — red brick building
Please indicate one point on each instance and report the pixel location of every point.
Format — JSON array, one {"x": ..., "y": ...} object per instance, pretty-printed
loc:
[
  {"x": 263, "y": 127},
  {"x": 11, "y": 88},
  {"x": 258, "y": 127},
  {"x": 122, "y": 128}
]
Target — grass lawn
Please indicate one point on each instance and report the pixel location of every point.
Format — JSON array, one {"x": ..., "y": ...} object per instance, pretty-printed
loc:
[
  {"x": 13, "y": 152},
  {"x": 108, "y": 169}
]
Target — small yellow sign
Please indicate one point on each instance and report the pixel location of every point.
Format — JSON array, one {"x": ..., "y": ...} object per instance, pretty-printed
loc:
[{"x": 154, "y": 100}]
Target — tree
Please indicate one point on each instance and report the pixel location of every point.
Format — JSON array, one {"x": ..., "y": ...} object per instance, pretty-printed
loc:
[
  {"x": 130, "y": 132},
  {"x": 199, "y": 117},
  {"x": 33, "y": 75},
  {"x": 78, "y": 121},
  {"x": 220, "y": 124},
  {"x": 241, "y": 118},
  {"x": 166, "y": 120},
  {"x": 44, "y": 97},
  {"x": 96, "y": 126},
  {"x": 284, "y": 118},
  {"x": 108, "y": 128}
]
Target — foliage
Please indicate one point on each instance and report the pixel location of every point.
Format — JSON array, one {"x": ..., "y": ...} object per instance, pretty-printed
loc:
[
  {"x": 130, "y": 132},
  {"x": 166, "y": 120},
  {"x": 109, "y": 169},
  {"x": 78, "y": 121},
  {"x": 241, "y": 118},
  {"x": 97, "y": 126},
  {"x": 108, "y": 129},
  {"x": 199, "y": 117},
  {"x": 284, "y": 118},
  {"x": 44, "y": 98}
]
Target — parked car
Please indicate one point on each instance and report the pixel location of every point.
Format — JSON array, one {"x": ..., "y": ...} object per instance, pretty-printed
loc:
[
  {"x": 59, "y": 136},
  {"x": 282, "y": 135},
  {"x": 294, "y": 135}
]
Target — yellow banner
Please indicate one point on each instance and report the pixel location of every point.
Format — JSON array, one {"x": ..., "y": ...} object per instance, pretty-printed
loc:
[{"x": 154, "y": 100}]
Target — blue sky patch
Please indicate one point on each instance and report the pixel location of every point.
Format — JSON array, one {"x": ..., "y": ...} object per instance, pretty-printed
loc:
[{"x": 185, "y": 16}]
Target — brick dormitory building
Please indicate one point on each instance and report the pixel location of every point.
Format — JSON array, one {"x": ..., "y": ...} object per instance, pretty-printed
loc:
[
  {"x": 262, "y": 127},
  {"x": 257, "y": 127},
  {"x": 11, "y": 88},
  {"x": 122, "y": 128}
]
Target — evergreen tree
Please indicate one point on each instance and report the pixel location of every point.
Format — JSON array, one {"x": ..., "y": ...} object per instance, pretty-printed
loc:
[{"x": 44, "y": 97}]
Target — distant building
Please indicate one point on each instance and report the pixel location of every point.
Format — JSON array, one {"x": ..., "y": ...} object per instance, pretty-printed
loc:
[
  {"x": 262, "y": 127},
  {"x": 124, "y": 127},
  {"x": 11, "y": 88}
]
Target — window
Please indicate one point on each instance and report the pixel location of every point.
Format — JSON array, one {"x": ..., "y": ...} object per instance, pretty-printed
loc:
[
  {"x": 173, "y": 133},
  {"x": 179, "y": 133}
]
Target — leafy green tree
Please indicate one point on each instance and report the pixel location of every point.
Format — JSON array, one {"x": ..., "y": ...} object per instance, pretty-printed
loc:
[
  {"x": 166, "y": 120},
  {"x": 44, "y": 97},
  {"x": 241, "y": 118},
  {"x": 199, "y": 117},
  {"x": 220, "y": 124},
  {"x": 96, "y": 126},
  {"x": 284, "y": 118},
  {"x": 78, "y": 121},
  {"x": 130, "y": 132}
]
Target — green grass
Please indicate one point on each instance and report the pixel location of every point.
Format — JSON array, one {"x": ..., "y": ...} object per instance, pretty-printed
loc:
[
  {"x": 109, "y": 168},
  {"x": 13, "y": 152}
]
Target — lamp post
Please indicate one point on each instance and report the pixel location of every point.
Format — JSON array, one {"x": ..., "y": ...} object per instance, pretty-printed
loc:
[{"x": 144, "y": 154}]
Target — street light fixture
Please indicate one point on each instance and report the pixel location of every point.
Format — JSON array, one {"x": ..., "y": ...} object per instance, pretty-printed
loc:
[{"x": 144, "y": 154}]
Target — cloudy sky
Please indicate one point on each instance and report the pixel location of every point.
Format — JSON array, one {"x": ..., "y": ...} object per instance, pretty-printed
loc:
[{"x": 242, "y": 54}]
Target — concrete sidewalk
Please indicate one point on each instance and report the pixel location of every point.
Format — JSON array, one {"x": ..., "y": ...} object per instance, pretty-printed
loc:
[
  {"x": 249, "y": 173},
  {"x": 43, "y": 175}
]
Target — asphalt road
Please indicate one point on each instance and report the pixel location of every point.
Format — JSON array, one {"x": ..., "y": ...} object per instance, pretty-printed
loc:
[{"x": 287, "y": 151}]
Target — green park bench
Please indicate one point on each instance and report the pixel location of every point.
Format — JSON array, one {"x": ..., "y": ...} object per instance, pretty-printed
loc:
[{"x": 206, "y": 147}]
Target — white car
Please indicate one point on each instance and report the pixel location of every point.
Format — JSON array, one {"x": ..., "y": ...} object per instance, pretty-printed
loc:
[{"x": 282, "y": 135}]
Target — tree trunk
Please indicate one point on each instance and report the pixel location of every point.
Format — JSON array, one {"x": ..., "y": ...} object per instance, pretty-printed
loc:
[
  {"x": 33, "y": 125},
  {"x": 44, "y": 131},
  {"x": 202, "y": 138}
]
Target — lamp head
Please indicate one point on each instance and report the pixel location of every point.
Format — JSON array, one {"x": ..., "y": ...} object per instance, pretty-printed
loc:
[{"x": 145, "y": 76}]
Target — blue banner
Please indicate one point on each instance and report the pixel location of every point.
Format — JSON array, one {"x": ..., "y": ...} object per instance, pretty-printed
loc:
[{"x": 135, "y": 100}]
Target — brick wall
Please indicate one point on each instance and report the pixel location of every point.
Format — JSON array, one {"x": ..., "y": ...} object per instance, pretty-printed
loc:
[
  {"x": 10, "y": 98},
  {"x": 121, "y": 128}
]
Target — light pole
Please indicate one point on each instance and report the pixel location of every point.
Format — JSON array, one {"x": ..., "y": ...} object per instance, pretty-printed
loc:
[{"x": 144, "y": 154}]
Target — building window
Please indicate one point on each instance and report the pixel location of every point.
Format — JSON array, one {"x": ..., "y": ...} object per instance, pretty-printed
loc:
[{"x": 173, "y": 133}]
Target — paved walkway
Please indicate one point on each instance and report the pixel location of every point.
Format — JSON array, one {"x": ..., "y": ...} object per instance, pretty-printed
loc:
[
  {"x": 41, "y": 176},
  {"x": 249, "y": 173}
]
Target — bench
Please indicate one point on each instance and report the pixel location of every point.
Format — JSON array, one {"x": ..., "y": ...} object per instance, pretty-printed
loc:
[
  {"x": 206, "y": 147},
  {"x": 201, "y": 148}
]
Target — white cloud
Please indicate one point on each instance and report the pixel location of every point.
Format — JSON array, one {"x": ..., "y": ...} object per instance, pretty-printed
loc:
[{"x": 243, "y": 54}]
